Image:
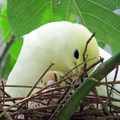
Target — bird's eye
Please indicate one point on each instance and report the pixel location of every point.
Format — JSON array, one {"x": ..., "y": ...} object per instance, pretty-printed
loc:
[{"x": 76, "y": 53}]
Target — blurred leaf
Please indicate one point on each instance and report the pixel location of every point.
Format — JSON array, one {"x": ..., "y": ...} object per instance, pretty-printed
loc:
[
  {"x": 15, "y": 48},
  {"x": 96, "y": 15},
  {"x": 24, "y": 16},
  {"x": 4, "y": 25}
]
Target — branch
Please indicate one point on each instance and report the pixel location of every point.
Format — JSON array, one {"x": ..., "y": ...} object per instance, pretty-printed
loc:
[{"x": 102, "y": 70}]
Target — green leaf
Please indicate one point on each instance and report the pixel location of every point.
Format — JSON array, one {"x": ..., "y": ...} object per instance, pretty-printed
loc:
[
  {"x": 4, "y": 25},
  {"x": 96, "y": 15},
  {"x": 15, "y": 48},
  {"x": 101, "y": 44},
  {"x": 9, "y": 66}
]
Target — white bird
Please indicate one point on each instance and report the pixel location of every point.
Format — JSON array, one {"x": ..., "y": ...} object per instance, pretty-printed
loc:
[{"x": 61, "y": 42}]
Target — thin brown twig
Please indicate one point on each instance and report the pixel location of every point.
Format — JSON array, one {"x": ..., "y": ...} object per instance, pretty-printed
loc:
[
  {"x": 77, "y": 66},
  {"x": 109, "y": 82},
  {"x": 63, "y": 95},
  {"x": 34, "y": 86},
  {"x": 105, "y": 107},
  {"x": 19, "y": 111},
  {"x": 3, "y": 92},
  {"x": 108, "y": 85},
  {"x": 28, "y": 98},
  {"x": 84, "y": 53},
  {"x": 7, "y": 115},
  {"x": 114, "y": 80},
  {"x": 23, "y": 86},
  {"x": 40, "y": 108}
]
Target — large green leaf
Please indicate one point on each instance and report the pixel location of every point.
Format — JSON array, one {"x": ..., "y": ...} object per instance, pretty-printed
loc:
[{"x": 24, "y": 16}]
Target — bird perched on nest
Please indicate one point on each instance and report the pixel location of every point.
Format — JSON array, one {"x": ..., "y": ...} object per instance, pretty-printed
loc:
[{"x": 62, "y": 42}]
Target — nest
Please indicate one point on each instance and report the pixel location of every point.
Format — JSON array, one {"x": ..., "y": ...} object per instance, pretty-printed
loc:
[{"x": 48, "y": 101}]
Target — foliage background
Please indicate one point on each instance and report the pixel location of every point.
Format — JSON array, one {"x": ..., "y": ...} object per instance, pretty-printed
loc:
[{"x": 21, "y": 17}]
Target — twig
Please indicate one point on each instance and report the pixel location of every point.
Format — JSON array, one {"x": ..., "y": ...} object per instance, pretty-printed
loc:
[
  {"x": 3, "y": 92},
  {"x": 105, "y": 107},
  {"x": 84, "y": 53},
  {"x": 5, "y": 114},
  {"x": 41, "y": 108},
  {"x": 78, "y": 66},
  {"x": 110, "y": 82},
  {"x": 116, "y": 73},
  {"x": 19, "y": 111},
  {"x": 34, "y": 86},
  {"x": 117, "y": 117},
  {"x": 23, "y": 86}
]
